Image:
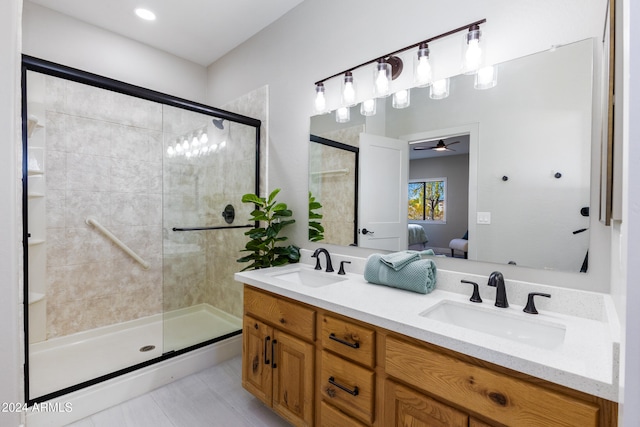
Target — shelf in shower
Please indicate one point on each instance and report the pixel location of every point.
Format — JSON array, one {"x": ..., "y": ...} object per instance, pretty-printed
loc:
[
  {"x": 33, "y": 195},
  {"x": 34, "y": 172},
  {"x": 34, "y": 242}
]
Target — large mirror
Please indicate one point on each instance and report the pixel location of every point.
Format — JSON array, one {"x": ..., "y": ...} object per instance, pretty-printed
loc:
[{"x": 511, "y": 187}]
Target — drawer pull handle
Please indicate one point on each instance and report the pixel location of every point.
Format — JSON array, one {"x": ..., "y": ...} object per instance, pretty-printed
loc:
[
  {"x": 273, "y": 352},
  {"x": 353, "y": 392},
  {"x": 333, "y": 336},
  {"x": 266, "y": 355}
]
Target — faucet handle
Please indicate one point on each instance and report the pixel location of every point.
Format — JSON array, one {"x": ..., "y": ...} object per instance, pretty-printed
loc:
[
  {"x": 531, "y": 307},
  {"x": 475, "y": 297},
  {"x": 341, "y": 270}
]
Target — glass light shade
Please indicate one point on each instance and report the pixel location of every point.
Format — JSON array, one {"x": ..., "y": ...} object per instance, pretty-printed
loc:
[
  {"x": 170, "y": 151},
  {"x": 185, "y": 145},
  {"x": 320, "y": 101},
  {"x": 343, "y": 115},
  {"x": 204, "y": 138},
  {"x": 486, "y": 77},
  {"x": 473, "y": 55},
  {"x": 382, "y": 79},
  {"x": 401, "y": 99},
  {"x": 348, "y": 90},
  {"x": 439, "y": 89},
  {"x": 368, "y": 107},
  {"x": 195, "y": 141},
  {"x": 422, "y": 74}
]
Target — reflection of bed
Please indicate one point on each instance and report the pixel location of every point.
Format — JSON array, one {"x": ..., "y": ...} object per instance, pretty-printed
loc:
[{"x": 417, "y": 237}]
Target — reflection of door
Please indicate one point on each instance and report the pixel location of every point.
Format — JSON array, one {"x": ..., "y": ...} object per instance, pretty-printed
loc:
[{"x": 383, "y": 192}]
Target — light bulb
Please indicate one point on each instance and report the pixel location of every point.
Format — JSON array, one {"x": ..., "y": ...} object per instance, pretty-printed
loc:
[
  {"x": 320, "y": 102},
  {"x": 423, "y": 75},
  {"x": 178, "y": 148},
  {"x": 223, "y": 144},
  {"x": 194, "y": 141},
  {"x": 381, "y": 79},
  {"x": 170, "y": 151},
  {"x": 439, "y": 89},
  {"x": 401, "y": 99},
  {"x": 368, "y": 107},
  {"x": 473, "y": 55},
  {"x": 204, "y": 138},
  {"x": 343, "y": 115},
  {"x": 348, "y": 90},
  {"x": 185, "y": 145},
  {"x": 486, "y": 78}
]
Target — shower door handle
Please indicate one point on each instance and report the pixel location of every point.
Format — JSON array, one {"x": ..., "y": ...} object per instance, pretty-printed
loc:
[
  {"x": 266, "y": 345},
  {"x": 273, "y": 353}
]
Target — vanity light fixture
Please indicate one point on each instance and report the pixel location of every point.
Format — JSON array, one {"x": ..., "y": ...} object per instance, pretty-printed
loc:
[
  {"x": 486, "y": 77},
  {"x": 348, "y": 90},
  {"x": 320, "y": 102},
  {"x": 439, "y": 89},
  {"x": 389, "y": 67},
  {"x": 145, "y": 14},
  {"x": 422, "y": 73},
  {"x": 368, "y": 107},
  {"x": 343, "y": 115},
  {"x": 401, "y": 99}
]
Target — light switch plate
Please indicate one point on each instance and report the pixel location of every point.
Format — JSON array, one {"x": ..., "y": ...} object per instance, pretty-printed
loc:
[{"x": 484, "y": 217}]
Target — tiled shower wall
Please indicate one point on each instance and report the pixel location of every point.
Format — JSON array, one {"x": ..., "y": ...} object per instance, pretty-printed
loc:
[{"x": 104, "y": 158}]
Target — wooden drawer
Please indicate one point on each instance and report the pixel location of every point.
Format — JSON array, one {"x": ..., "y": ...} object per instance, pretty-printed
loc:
[
  {"x": 507, "y": 400},
  {"x": 331, "y": 417},
  {"x": 348, "y": 386},
  {"x": 285, "y": 315},
  {"x": 352, "y": 341}
]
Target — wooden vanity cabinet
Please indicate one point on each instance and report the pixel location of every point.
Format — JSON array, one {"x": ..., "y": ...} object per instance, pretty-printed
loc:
[
  {"x": 400, "y": 381},
  {"x": 278, "y": 367}
]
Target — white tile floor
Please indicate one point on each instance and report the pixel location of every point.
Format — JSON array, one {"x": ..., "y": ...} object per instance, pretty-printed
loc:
[{"x": 210, "y": 398}]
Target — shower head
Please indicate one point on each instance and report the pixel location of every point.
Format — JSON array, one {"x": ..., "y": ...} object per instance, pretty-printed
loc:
[{"x": 218, "y": 123}]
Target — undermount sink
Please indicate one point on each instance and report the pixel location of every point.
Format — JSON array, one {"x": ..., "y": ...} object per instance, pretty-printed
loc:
[
  {"x": 500, "y": 323},
  {"x": 310, "y": 278}
]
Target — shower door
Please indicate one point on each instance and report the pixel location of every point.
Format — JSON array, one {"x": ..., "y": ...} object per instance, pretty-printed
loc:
[
  {"x": 209, "y": 163},
  {"x": 111, "y": 172}
]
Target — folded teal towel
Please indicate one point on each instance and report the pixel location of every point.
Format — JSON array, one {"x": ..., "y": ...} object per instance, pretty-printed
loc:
[
  {"x": 397, "y": 260},
  {"x": 418, "y": 275}
]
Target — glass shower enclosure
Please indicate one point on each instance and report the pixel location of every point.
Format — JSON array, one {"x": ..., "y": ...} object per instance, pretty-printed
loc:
[{"x": 132, "y": 224}]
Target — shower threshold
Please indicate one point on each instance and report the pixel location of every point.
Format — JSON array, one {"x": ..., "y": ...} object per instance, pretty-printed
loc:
[{"x": 63, "y": 362}]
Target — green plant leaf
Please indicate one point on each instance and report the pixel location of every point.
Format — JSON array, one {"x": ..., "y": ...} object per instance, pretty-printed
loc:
[
  {"x": 252, "y": 198},
  {"x": 280, "y": 207},
  {"x": 283, "y": 213},
  {"x": 273, "y": 195},
  {"x": 314, "y": 205}
]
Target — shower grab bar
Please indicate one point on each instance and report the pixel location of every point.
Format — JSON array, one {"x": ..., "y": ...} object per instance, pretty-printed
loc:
[
  {"x": 212, "y": 228},
  {"x": 92, "y": 221}
]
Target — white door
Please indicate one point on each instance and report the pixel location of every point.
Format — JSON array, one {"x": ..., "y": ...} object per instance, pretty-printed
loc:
[{"x": 383, "y": 181}]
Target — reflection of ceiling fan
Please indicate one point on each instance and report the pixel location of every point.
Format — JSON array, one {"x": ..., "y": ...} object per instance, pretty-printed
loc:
[{"x": 440, "y": 146}]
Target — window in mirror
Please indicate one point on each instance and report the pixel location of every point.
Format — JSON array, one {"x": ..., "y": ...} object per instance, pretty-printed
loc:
[{"x": 427, "y": 200}]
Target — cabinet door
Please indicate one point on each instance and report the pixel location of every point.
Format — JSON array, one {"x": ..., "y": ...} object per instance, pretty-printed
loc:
[
  {"x": 406, "y": 407},
  {"x": 256, "y": 359},
  {"x": 293, "y": 370}
]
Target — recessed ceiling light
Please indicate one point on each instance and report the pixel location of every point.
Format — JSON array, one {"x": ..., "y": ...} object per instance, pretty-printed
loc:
[{"x": 145, "y": 14}]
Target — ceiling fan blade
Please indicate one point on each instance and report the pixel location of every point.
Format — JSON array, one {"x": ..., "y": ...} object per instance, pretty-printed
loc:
[
  {"x": 450, "y": 149},
  {"x": 422, "y": 148},
  {"x": 451, "y": 143}
]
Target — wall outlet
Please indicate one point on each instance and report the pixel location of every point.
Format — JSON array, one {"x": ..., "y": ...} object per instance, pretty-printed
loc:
[{"x": 484, "y": 217}]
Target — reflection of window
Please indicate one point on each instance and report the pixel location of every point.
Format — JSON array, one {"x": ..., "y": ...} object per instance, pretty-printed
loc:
[{"x": 427, "y": 200}]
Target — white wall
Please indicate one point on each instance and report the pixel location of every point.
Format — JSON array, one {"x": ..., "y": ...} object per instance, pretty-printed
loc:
[
  {"x": 59, "y": 38},
  {"x": 10, "y": 230},
  {"x": 626, "y": 236},
  {"x": 321, "y": 37}
]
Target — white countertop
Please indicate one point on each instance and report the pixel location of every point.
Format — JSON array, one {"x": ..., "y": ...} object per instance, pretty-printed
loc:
[{"x": 587, "y": 360}]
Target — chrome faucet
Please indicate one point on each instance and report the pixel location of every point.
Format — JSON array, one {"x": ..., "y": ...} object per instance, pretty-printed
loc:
[
  {"x": 496, "y": 279},
  {"x": 316, "y": 254}
]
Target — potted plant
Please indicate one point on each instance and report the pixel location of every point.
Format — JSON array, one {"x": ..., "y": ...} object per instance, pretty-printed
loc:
[{"x": 273, "y": 217}]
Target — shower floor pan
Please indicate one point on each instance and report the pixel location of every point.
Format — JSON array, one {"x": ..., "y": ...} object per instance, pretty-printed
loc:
[{"x": 66, "y": 361}]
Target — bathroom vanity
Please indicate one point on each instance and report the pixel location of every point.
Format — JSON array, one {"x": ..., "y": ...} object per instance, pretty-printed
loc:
[{"x": 329, "y": 350}]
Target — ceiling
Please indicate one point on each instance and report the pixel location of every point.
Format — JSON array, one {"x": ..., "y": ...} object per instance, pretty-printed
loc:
[{"x": 199, "y": 31}]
